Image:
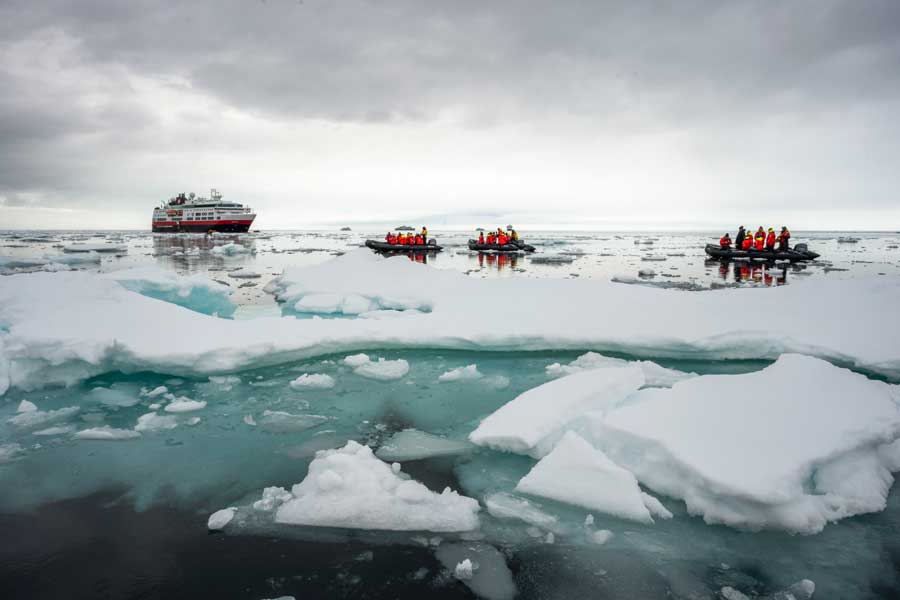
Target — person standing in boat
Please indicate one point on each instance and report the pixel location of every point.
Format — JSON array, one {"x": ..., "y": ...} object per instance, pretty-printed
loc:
[
  {"x": 770, "y": 240},
  {"x": 725, "y": 242},
  {"x": 760, "y": 238},
  {"x": 747, "y": 243},
  {"x": 783, "y": 238},
  {"x": 739, "y": 238},
  {"x": 480, "y": 238},
  {"x": 424, "y": 234}
]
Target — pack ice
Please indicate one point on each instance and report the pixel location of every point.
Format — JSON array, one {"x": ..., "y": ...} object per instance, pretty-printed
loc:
[
  {"x": 47, "y": 341},
  {"x": 349, "y": 487},
  {"x": 792, "y": 447}
]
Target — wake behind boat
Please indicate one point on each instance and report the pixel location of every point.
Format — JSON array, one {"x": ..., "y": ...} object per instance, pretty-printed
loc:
[{"x": 187, "y": 213}]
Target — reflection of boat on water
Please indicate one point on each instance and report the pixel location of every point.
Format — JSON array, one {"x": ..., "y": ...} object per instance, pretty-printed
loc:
[
  {"x": 511, "y": 247},
  {"x": 499, "y": 260},
  {"x": 194, "y": 214},
  {"x": 798, "y": 252},
  {"x": 758, "y": 272},
  {"x": 386, "y": 248}
]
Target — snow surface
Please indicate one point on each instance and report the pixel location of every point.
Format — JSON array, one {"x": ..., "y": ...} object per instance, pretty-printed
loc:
[
  {"x": 349, "y": 487},
  {"x": 48, "y": 341},
  {"x": 533, "y": 421},
  {"x": 315, "y": 381},
  {"x": 796, "y": 445},
  {"x": 577, "y": 473}
]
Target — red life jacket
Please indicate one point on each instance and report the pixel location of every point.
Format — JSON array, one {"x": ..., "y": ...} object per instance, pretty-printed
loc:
[
  {"x": 770, "y": 239},
  {"x": 502, "y": 239},
  {"x": 490, "y": 239},
  {"x": 760, "y": 242},
  {"x": 747, "y": 243},
  {"x": 725, "y": 242},
  {"x": 418, "y": 240},
  {"x": 481, "y": 239}
]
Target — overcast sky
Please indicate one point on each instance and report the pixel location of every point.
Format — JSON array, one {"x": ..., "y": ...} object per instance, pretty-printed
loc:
[{"x": 327, "y": 112}]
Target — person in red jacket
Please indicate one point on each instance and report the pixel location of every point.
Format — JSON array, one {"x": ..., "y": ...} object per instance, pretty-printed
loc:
[
  {"x": 502, "y": 239},
  {"x": 490, "y": 239},
  {"x": 783, "y": 238},
  {"x": 481, "y": 237},
  {"x": 770, "y": 240},
  {"x": 759, "y": 241},
  {"x": 747, "y": 243},
  {"x": 418, "y": 239},
  {"x": 725, "y": 242}
]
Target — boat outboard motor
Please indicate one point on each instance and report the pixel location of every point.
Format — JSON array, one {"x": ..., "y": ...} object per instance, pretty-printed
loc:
[
  {"x": 800, "y": 248},
  {"x": 432, "y": 242}
]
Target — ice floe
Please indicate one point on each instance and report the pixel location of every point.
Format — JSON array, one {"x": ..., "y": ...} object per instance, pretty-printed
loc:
[
  {"x": 155, "y": 422},
  {"x": 37, "y": 418},
  {"x": 219, "y": 519},
  {"x": 383, "y": 370},
  {"x": 796, "y": 445},
  {"x": 46, "y": 341},
  {"x": 533, "y": 421},
  {"x": 231, "y": 249},
  {"x": 184, "y": 404},
  {"x": 196, "y": 292},
  {"x": 576, "y": 473},
  {"x": 467, "y": 373},
  {"x": 481, "y": 567},
  {"x": 107, "y": 433},
  {"x": 349, "y": 487},
  {"x": 654, "y": 374}
]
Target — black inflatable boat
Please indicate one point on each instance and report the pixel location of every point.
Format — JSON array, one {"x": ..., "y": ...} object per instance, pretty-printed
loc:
[
  {"x": 431, "y": 246},
  {"x": 517, "y": 246},
  {"x": 798, "y": 252}
]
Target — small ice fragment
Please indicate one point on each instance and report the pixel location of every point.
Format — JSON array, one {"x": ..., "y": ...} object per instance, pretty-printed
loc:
[
  {"x": 155, "y": 406},
  {"x": 464, "y": 570},
  {"x": 26, "y": 407},
  {"x": 601, "y": 536},
  {"x": 467, "y": 373},
  {"x": 219, "y": 519},
  {"x": 383, "y": 370},
  {"x": 193, "y": 421},
  {"x": 411, "y": 444},
  {"x": 185, "y": 404},
  {"x": 107, "y": 433},
  {"x": 550, "y": 538},
  {"x": 395, "y": 467},
  {"x": 503, "y": 505},
  {"x": 154, "y": 422},
  {"x": 249, "y": 420},
  {"x": 157, "y": 391},
  {"x": 272, "y": 498},
  {"x": 314, "y": 381},
  {"x": 729, "y": 593},
  {"x": 55, "y": 430},
  {"x": 589, "y": 520},
  {"x": 356, "y": 360}
]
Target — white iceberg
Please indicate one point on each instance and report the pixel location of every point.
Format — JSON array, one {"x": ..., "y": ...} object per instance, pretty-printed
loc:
[
  {"x": 219, "y": 519},
  {"x": 349, "y": 487},
  {"x": 792, "y": 447},
  {"x": 577, "y": 473},
  {"x": 315, "y": 381},
  {"x": 383, "y": 370},
  {"x": 533, "y": 421},
  {"x": 184, "y": 404},
  {"x": 155, "y": 422}
]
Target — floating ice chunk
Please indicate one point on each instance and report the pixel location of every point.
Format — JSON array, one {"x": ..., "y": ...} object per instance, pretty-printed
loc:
[
  {"x": 184, "y": 404},
  {"x": 118, "y": 248},
  {"x": 356, "y": 360},
  {"x": 533, "y": 421},
  {"x": 113, "y": 397},
  {"x": 810, "y": 448},
  {"x": 349, "y": 487},
  {"x": 411, "y": 444},
  {"x": 577, "y": 473},
  {"x": 503, "y": 505},
  {"x": 26, "y": 407},
  {"x": 467, "y": 373},
  {"x": 249, "y": 420},
  {"x": 315, "y": 381},
  {"x": 654, "y": 374},
  {"x": 601, "y": 536},
  {"x": 219, "y": 519},
  {"x": 464, "y": 570},
  {"x": 157, "y": 391},
  {"x": 37, "y": 418},
  {"x": 481, "y": 567},
  {"x": 60, "y": 430},
  {"x": 107, "y": 433},
  {"x": 154, "y": 422},
  {"x": 244, "y": 274},
  {"x": 383, "y": 370},
  {"x": 9, "y": 452},
  {"x": 231, "y": 249},
  {"x": 497, "y": 382},
  {"x": 272, "y": 498},
  {"x": 278, "y": 421}
]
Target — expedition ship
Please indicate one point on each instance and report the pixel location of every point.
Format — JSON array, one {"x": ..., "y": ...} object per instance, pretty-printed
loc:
[{"x": 189, "y": 214}]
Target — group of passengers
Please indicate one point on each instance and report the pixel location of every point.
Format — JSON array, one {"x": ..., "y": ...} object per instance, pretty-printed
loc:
[
  {"x": 408, "y": 239},
  {"x": 500, "y": 237},
  {"x": 744, "y": 240}
]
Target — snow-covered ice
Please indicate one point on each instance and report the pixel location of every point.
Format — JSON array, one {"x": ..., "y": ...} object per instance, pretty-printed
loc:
[
  {"x": 383, "y": 370},
  {"x": 577, "y": 473},
  {"x": 350, "y": 488},
  {"x": 654, "y": 374},
  {"x": 467, "y": 373},
  {"x": 314, "y": 381},
  {"x": 533, "y": 421},
  {"x": 107, "y": 433},
  {"x": 184, "y": 404},
  {"x": 154, "y": 422},
  {"x": 797, "y": 445}
]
